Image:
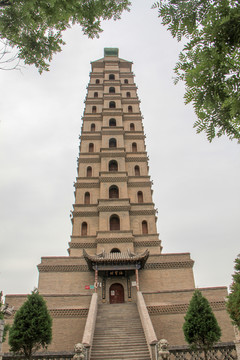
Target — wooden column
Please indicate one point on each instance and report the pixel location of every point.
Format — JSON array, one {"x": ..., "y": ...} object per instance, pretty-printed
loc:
[
  {"x": 137, "y": 279},
  {"x": 96, "y": 280}
]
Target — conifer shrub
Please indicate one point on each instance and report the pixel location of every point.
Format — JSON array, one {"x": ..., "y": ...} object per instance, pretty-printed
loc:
[
  {"x": 200, "y": 328},
  {"x": 32, "y": 327}
]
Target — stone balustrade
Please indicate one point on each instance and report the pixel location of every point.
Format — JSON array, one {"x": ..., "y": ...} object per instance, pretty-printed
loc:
[
  {"x": 147, "y": 326},
  {"x": 226, "y": 351},
  {"x": 90, "y": 325}
]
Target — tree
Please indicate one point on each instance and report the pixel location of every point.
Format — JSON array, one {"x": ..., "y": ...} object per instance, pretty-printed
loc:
[
  {"x": 200, "y": 328},
  {"x": 35, "y": 27},
  {"x": 5, "y": 310},
  {"x": 233, "y": 302},
  {"x": 8, "y": 59},
  {"x": 32, "y": 327},
  {"x": 209, "y": 63}
]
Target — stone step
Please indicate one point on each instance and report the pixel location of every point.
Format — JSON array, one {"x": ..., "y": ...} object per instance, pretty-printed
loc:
[
  {"x": 121, "y": 357},
  {"x": 119, "y": 334},
  {"x": 123, "y": 352},
  {"x": 113, "y": 339},
  {"x": 118, "y": 345}
]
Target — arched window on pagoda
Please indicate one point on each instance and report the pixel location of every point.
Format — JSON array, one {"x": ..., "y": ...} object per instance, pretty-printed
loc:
[
  {"x": 130, "y": 109},
  {"x": 84, "y": 229},
  {"x": 96, "y": 94},
  {"x": 112, "y": 143},
  {"x": 134, "y": 147},
  {"x": 113, "y": 192},
  {"x": 91, "y": 147},
  {"x": 115, "y": 250},
  {"x": 128, "y": 94},
  {"x": 137, "y": 170},
  {"x": 89, "y": 171},
  {"x": 94, "y": 109},
  {"x": 114, "y": 222},
  {"x": 112, "y": 90},
  {"x": 111, "y": 77},
  {"x": 87, "y": 198},
  {"x": 97, "y": 81},
  {"x": 112, "y": 122},
  {"x": 93, "y": 127},
  {"x": 112, "y": 105},
  {"x": 132, "y": 127},
  {"x": 144, "y": 227},
  {"x": 126, "y": 81},
  {"x": 113, "y": 165},
  {"x": 140, "y": 197}
]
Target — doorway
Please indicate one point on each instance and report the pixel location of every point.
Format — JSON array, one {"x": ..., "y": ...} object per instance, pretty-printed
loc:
[{"x": 116, "y": 294}]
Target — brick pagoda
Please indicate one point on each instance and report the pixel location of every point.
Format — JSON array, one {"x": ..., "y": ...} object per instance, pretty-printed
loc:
[{"x": 115, "y": 251}]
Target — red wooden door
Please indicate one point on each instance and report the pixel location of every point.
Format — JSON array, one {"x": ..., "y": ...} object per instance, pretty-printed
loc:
[{"x": 116, "y": 294}]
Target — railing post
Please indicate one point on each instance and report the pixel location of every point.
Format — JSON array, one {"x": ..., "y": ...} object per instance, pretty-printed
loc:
[
  {"x": 237, "y": 342},
  {"x": 154, "y": 355},
  {"x": 87, "y": 355}
]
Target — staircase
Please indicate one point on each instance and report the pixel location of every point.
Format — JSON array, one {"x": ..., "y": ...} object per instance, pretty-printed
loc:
[{"x": 119, "y": 334}]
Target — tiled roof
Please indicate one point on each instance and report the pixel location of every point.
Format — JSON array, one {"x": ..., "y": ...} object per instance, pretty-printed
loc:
[{"x": 116, "y": 258}]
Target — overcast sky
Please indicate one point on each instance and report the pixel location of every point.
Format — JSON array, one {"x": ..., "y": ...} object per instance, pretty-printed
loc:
[{"x": 196, "y": 184}]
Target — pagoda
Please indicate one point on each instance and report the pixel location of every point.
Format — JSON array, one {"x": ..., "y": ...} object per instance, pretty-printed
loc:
[{"x": 115, "y": 254}]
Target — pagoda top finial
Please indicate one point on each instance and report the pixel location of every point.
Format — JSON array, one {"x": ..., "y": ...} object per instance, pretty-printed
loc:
[{"x": 111, "y": 52}]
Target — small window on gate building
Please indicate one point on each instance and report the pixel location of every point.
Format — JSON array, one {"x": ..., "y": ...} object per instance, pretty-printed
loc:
[{"x": 115, "y": 250}]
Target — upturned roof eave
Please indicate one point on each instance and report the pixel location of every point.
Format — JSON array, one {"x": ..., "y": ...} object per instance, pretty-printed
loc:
[{"x": 93, "y": 260}]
